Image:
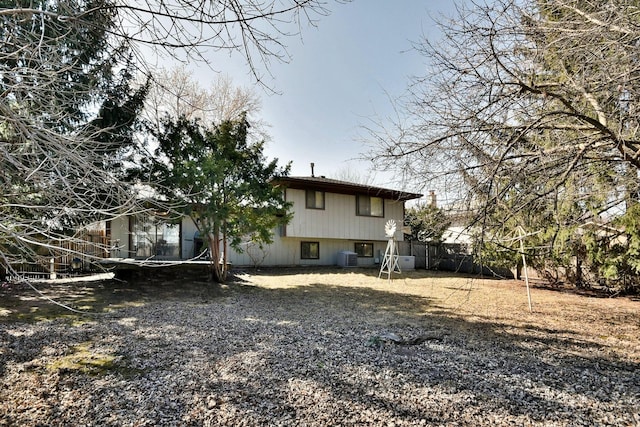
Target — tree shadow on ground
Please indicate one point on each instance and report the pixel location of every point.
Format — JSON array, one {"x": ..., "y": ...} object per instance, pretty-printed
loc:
[
  {"x": 274, "y": 356},
  {"x": 478, "y": 359}
]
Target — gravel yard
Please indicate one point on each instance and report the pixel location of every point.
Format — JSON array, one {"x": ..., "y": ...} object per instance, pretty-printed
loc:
[{"x": 303, "y": 347}]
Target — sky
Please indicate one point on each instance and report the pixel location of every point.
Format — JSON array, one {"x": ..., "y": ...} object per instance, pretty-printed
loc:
[{"x": 342, "y": 73}]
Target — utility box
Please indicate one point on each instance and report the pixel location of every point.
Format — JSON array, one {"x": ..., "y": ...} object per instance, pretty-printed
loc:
[
  {"x": 347, "y": 259},
  {"x": 406, "y": 262}
]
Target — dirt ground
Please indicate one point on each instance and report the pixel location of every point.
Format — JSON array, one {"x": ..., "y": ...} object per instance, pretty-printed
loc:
[
  {"x": 591, "y": 322},
  {"x": 309, "y": 346}
]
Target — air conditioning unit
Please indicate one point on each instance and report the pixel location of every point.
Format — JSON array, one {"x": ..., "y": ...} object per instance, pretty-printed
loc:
[
  {"x": 407, "y": 262},
  {"x": 347, "y": 259}
]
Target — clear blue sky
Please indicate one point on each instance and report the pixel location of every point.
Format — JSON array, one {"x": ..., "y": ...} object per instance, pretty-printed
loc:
[{"x": 341, "y": 73}]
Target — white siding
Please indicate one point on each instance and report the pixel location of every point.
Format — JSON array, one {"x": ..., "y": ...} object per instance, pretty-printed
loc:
[
  {"x": 336, "y": 228},
  {"x": 338, "y": 220},
  {"x": 120, "y": 237},
  {"x": 286, "y": 252},
  {"x": 189, "y": 230}
]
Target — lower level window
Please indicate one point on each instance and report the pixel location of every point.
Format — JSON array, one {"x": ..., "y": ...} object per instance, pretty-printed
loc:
[
  {"x": 364, "y": 249},
  {"x": 310, "y": 250}
]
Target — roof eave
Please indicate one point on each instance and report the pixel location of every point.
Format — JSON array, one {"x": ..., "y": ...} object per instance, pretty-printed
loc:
[{"x": 346, "y": 188}]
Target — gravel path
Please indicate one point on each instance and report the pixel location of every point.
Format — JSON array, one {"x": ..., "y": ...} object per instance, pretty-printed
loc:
[{"x": 316, "y": 355}]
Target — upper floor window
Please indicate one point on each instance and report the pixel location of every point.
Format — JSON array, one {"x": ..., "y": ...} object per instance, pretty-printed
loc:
[
  {"x": 314, "y": 199},
  {"x": 369, "y": 206}
]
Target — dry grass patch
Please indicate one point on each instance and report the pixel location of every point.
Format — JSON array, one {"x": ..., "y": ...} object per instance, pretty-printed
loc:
[
  {"x": 311, "y": 347},
  {"x": 584, "y": 325}
]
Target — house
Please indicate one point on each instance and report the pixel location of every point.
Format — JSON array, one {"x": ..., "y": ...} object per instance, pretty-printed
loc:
[{"x": 331, "y": 218}]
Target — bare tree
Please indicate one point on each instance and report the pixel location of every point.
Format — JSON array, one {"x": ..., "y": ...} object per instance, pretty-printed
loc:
[
  {"x": 528, "y": 113},
  {"x": 352, "y": 175},
  {"x": 64, "y": 124},
  {"x": 208, "y": 193},
  {"x": 184, "y": 30},
  {"x": 176, "y": 93}
]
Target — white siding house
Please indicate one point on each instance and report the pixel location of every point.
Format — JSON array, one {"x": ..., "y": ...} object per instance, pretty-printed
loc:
[{"x": 329, "y": 217}]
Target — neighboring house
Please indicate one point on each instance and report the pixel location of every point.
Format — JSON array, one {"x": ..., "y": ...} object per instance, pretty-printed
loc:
[
  {"x": 457, "y": 234},
  {"x": 329, "y": 218}
]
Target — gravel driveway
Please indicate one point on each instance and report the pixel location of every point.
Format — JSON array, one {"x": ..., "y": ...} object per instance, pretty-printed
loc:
[{"x": 321, "y": 349}]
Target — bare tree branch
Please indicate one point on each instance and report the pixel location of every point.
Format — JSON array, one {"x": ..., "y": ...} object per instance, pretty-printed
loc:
[
  {"x": 529, "y": 110},
  {"x": 68, "y": 117}
]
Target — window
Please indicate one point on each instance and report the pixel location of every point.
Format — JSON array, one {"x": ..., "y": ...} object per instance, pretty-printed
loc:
[
  {"x": 152, "y": 236},
  {"x": 315, "y": 199},
  {"x": 369, "y": 206},
  {"x": 309, "y": 250},
  {"x": 364, "y": 249}
]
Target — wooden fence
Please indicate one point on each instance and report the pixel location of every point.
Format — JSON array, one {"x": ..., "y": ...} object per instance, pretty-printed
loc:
[{"x": 65, "y": 257}]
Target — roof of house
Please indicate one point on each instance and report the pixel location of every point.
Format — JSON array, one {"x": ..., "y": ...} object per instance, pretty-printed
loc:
[{"x": 342, "y": 187}]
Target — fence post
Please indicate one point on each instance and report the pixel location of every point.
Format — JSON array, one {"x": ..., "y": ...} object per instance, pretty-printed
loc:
[{"x": 52, "y": 269}]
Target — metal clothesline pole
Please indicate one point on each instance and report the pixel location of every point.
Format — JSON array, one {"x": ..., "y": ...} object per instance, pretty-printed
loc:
[{"x": 521, "y": 235}]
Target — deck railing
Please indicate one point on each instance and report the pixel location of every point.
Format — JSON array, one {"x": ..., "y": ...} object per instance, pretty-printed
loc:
[{"x": 66, "y": 257}]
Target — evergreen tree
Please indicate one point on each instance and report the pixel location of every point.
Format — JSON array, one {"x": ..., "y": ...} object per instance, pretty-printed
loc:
[
  {"x": 427, "y": 223},
  {"x": 222, "y": 181},
  {"x": 60, "y": 161}
]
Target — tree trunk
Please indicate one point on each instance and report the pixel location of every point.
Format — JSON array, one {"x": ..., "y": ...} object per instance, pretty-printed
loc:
[{"x": 217, "y": 267}]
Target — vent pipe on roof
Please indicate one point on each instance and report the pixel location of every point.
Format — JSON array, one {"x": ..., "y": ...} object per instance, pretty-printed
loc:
[{"x": 312, "y": 166}]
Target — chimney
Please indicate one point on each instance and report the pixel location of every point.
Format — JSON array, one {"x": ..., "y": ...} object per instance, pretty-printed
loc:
[
  {"x": 312, "y": 166},
  {"x": 432, "y": 199}
]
